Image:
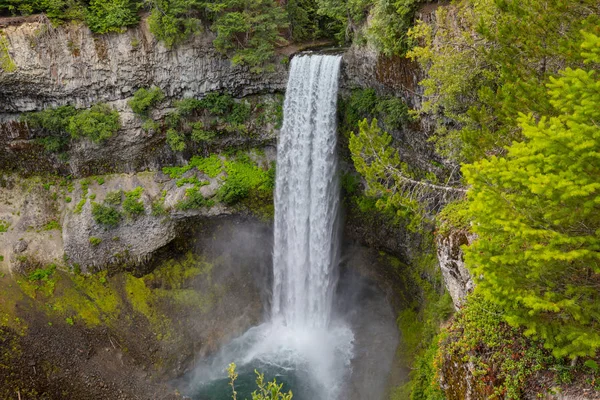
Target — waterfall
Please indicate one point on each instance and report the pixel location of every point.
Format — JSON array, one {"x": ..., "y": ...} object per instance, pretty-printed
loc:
[
  {"x": 303, "y": 341},
  {"x": 306, "y": 241}
]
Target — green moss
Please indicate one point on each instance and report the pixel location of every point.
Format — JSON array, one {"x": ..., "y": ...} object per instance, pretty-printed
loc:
[
  {"x": 95, "y": 241},
  {"x": 52, "y": 225},
  {"x": 211, "y": 166},
  {"x": 158, "y": 205}
]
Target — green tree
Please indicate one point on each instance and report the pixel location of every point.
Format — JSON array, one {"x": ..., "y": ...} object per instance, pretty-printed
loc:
[
  {"x": 251, "y": 28},
  {"x": 493, "y": 64},
  {"x": 112, "y": 15},
  {"x": 399, "y": 190},
  {"x": 537, "y": 216}
]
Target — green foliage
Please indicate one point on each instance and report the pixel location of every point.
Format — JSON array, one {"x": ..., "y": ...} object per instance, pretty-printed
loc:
[
  {"x": 132, "y": 206},
  {"x": 95, "y": 241},
  {"x": 106, "y": 215},
  {"x": 98, "y": 123},
  {"x": 265, "y": 391},
  {"x": 175, "y": 140},
  {"x": 158, "y": 205},
  {"x": 380, "y": 165},
  {"x": 52, "y": 225},
  {"x": 53, "y": 123},
  {"x": 365, "y": 103},
  {"x": 173, "y": 21},
  {"x": 111, "y": 15},
  {"x": 493, "y": 65},
  {"x": 250, "y": 29},
  {"x": 145, "y": 99},
  {"x": 4, "y": 225},
  {"x": 243, "y": 176},
  {"x": 194, "y": 199},
  {"x": 454, "y": 217},
  {"x": 42, "y": 274},
  {"x": 389, "y": 26},
  {"x": 502, "y": 358},
  {"x": 305, "y": 22},
  {"x": 211, "y": 166},
  {"x": 114, "y": 198},
  {"x": 537, "y": 216}
]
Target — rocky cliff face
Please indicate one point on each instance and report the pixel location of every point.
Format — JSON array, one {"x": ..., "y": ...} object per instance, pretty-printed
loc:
[
  {"x": 457, "y": 278},
  {"x": 70, "y": 65}
]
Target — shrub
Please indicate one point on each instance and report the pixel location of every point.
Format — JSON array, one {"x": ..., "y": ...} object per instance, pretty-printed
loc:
[
  {"x": 194, "y": 199},
  {"x": 175, "y": 140},
  {"x": 132, "y": 206},
  {"x": 144, "y": 99},
  {"x": 107, "y": 216},
  {"x": 42, "y": 274},
  {"x": 211, "y": 166},
  {"x": 98, "y": 123},
  {"x": 114, "y": 198},
  {"x": 186, "y": 107}
]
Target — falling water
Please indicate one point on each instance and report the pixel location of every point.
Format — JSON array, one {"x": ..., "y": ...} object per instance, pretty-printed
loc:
[
  {"x": 303, "y": 342},
  {"x": 307, "y": 196}
]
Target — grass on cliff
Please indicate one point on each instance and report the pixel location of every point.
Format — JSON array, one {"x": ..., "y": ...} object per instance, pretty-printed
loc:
[{"x": 102, "y": 300}]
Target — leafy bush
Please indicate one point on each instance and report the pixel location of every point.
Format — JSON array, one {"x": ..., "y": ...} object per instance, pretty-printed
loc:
[
  {"x": 186, "y": 107},
  {"x": 211, "y": 166},
  {"x": 98, "y": 123},
  {"x": 175, "y": 140},
  {"x": 107, "y": 216},
  {"x": 242, "y": 177},
  {"x": 194, "y": 199},
  {"x": 42, "y": 274},
  {"x": 132, "y": 206},
  {"x": 112, "y": 15},
  {"x": 114, "y": 198},
  {"x": 144, "y": 99}
]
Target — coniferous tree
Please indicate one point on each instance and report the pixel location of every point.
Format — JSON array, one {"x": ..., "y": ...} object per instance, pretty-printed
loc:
[{"x": 537, "y": 217}]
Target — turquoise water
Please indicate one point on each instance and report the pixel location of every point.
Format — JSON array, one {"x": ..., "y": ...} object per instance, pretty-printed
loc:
[{"x": 245, "y": 384}]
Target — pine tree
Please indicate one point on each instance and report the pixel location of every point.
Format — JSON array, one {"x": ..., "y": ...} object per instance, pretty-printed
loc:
[{"x": 537, "y": 217}]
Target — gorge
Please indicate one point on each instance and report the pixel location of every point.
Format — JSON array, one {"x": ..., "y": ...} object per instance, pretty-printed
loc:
[{"x": 360, "y": 199}]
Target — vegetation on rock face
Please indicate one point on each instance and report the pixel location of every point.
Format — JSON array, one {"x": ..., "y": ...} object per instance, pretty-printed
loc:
[
  {"x": 144, "y": 99},
  {"x": 98, "y": 123},
  {"x": 105, "y": 215},
  {"x": 6, "y": 62},
  {"x": 199, "y": 122}
]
